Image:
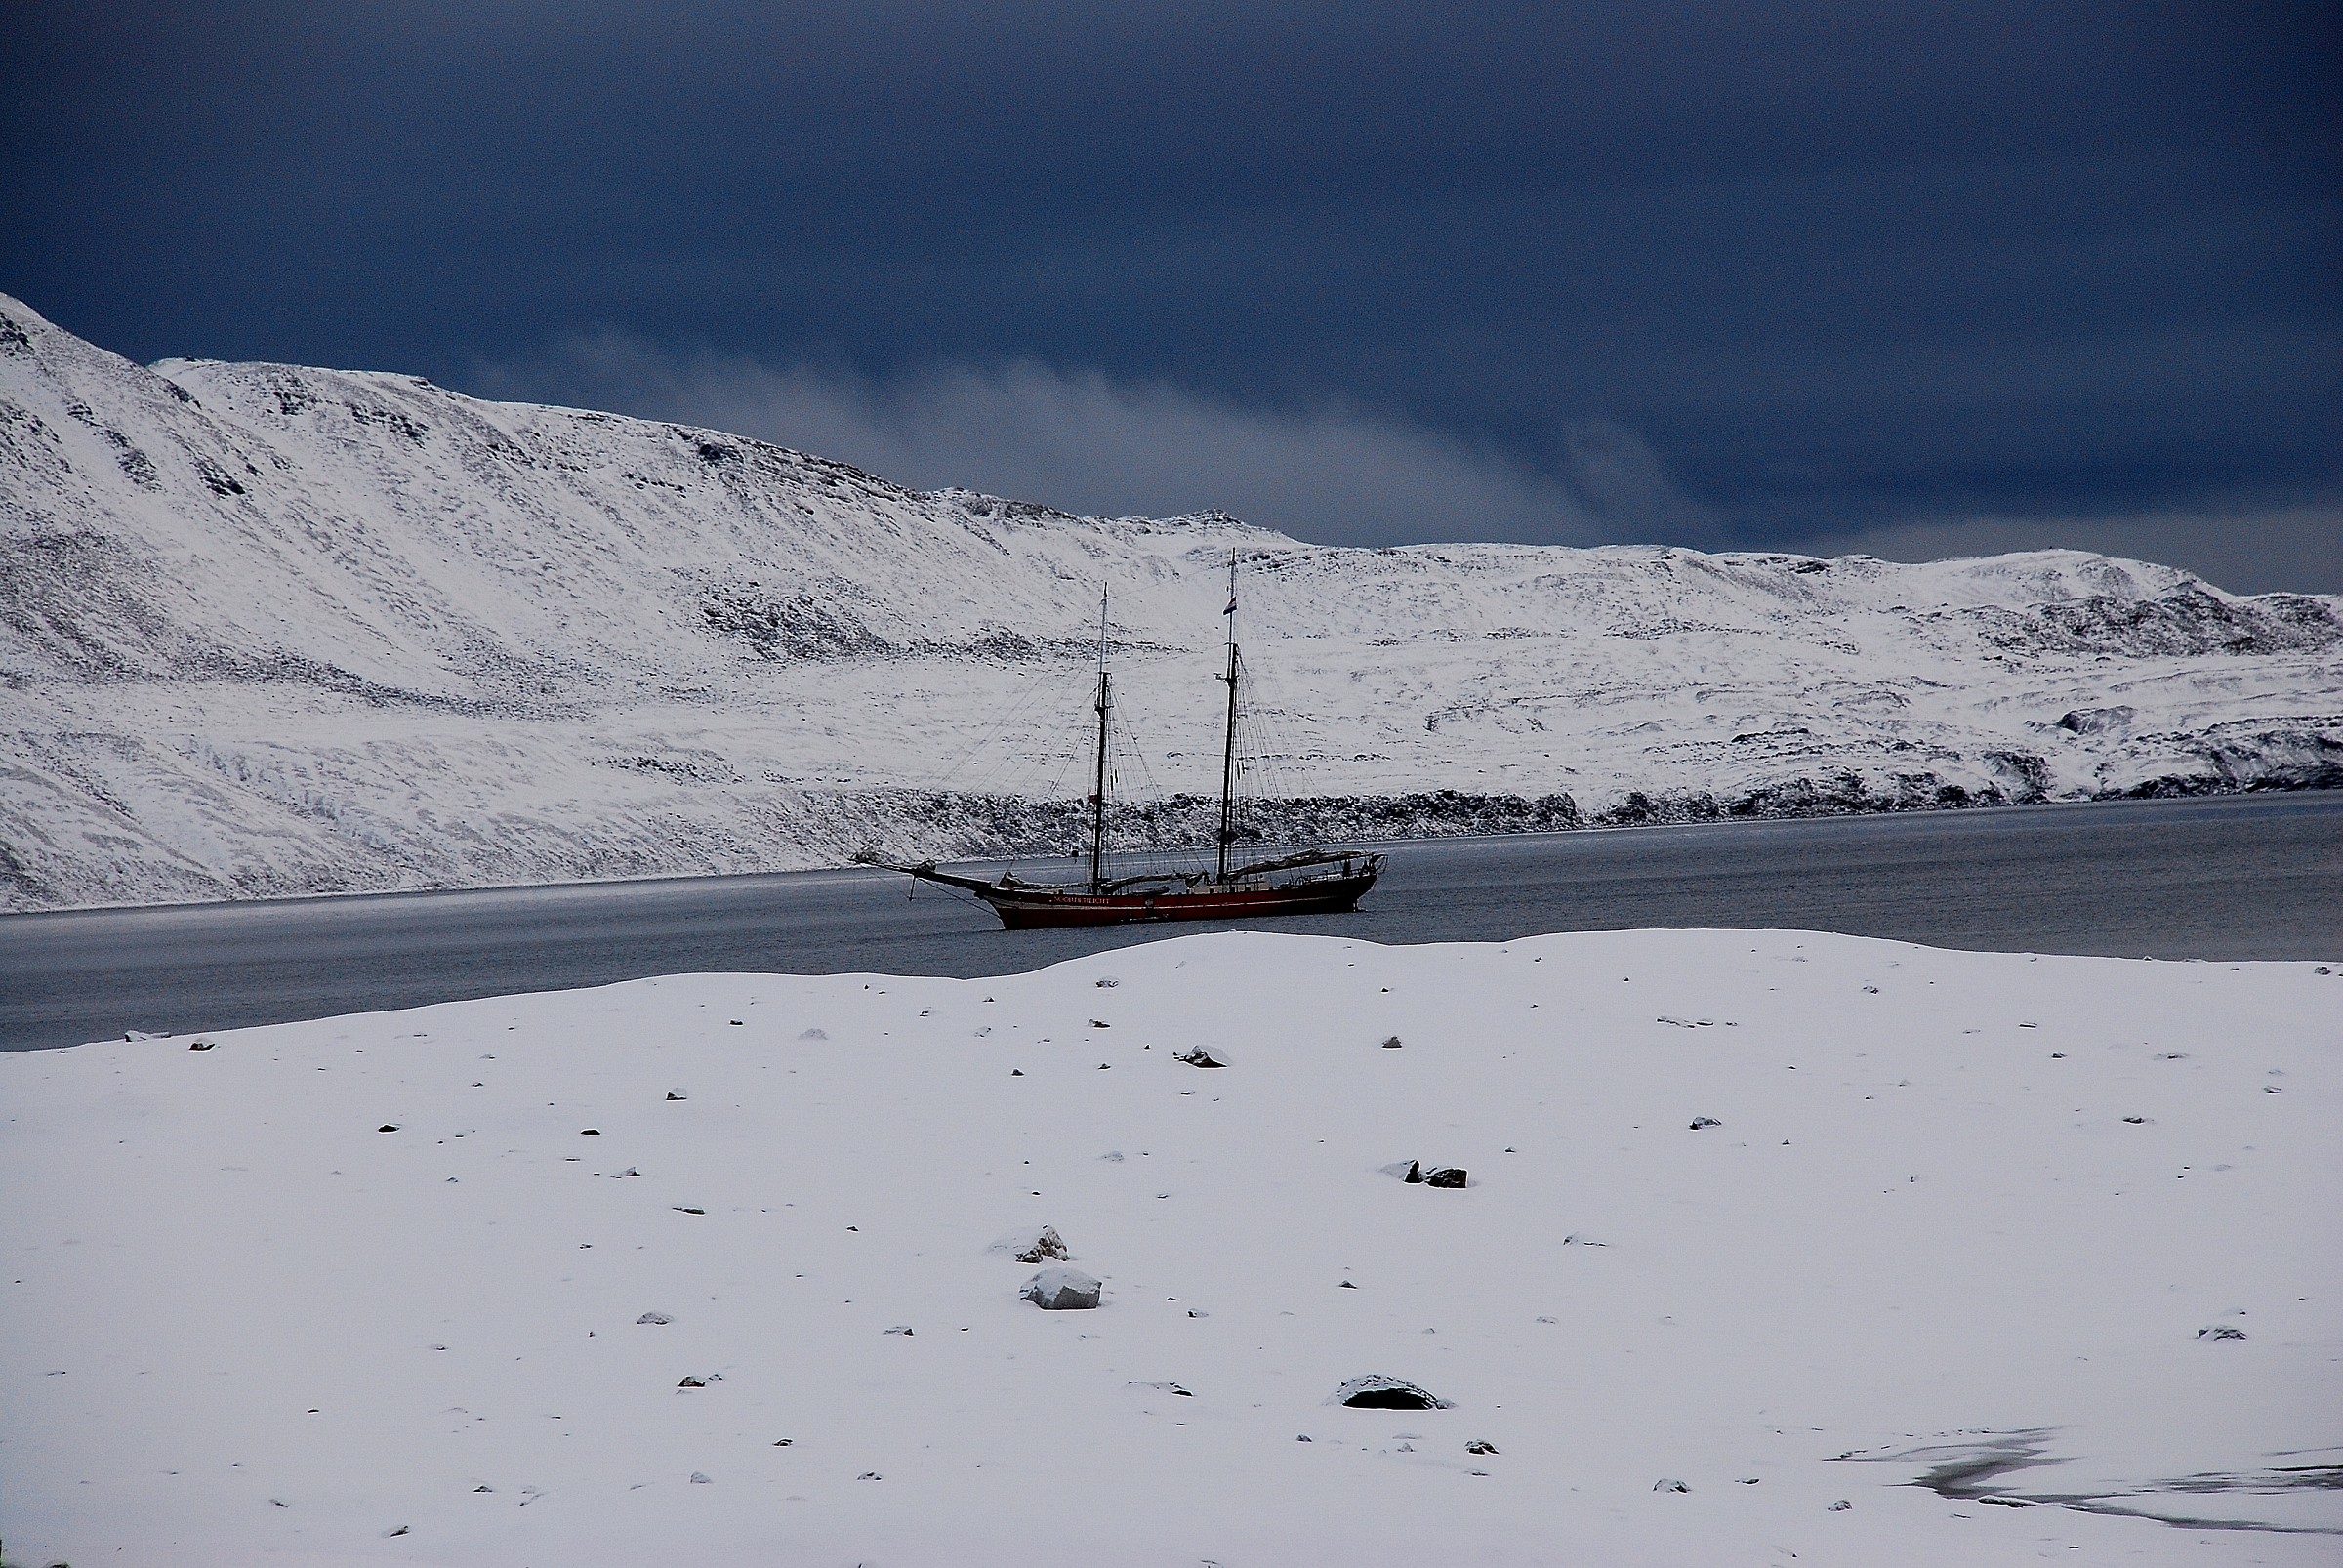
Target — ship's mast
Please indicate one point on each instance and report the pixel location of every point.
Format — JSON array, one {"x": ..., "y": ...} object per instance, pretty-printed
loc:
[
  {"x": 1228, "y": 750},
  {"x": 1105, "y": 701}
]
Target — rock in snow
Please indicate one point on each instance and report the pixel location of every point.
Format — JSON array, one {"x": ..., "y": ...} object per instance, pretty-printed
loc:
[
  {"x": 269, "y": 630},
  {"x": 1415, "y": 1173},
  {"x": 1376, "y": 1392},
  {"x": 1063, "y": 1290},
  {"x": 1031, "y": 1244}
]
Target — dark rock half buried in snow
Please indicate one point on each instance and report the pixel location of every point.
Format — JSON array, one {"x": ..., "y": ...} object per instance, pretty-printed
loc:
[
  {"x": 1062, "y": 1289},
  {"x": 1416, "y": 1174},
  {"x": 1376, "y": 1392},
  {"x": 1197, "y": 1057},
  {"x": 1030, "y": 1243}
]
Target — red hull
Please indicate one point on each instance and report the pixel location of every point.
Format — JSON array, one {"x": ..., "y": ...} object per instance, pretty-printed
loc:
[{"x": 1026, "y": 908}]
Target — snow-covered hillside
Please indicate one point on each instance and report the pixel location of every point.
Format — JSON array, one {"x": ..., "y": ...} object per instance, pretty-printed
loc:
[
  {"x": 266, "y": 630},
  {"x": 1773, "y": 1249}
]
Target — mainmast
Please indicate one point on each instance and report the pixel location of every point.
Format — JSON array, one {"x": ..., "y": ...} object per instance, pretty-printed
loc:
[
  {"x": 1105, "y": 701},
  {"x": 1228, "y": 750}
]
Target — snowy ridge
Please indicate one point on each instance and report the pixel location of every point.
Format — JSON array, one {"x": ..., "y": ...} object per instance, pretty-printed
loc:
[{"x": 268, "y": 630}]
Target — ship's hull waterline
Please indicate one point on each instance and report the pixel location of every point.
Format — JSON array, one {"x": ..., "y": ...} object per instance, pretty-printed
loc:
[{"x": 1030, "y": 909}]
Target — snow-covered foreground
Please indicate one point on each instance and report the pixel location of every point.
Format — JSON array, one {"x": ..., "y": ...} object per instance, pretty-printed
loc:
[
  {"x": 266, "y": 630},
  {"x": 426, "y": 1287}
]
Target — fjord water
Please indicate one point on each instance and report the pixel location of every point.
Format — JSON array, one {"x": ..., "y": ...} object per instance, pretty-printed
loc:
[{"x": 2236, "y": 878}]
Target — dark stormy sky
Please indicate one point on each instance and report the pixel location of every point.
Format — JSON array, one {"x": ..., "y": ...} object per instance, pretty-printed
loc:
[{"x": 1916, "y": 279}]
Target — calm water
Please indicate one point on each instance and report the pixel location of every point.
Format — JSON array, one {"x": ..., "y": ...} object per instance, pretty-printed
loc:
[{"x": 2256, "y": 877}]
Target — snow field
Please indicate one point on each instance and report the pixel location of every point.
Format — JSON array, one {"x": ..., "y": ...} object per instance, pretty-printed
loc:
[{"x": 1950, "y": 1200}]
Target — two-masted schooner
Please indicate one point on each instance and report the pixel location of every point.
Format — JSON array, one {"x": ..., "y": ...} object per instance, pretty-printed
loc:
[{"x": 1307, "y": 881}]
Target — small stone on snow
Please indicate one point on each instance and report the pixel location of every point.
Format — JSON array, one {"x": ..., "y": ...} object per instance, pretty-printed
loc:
[
  {"x": 1670, "y": 1486},
  {"x": 1162, "y": 1387}
]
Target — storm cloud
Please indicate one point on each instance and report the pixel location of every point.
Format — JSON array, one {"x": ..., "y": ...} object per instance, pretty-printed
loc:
[{"x": 1093, "y": 445}]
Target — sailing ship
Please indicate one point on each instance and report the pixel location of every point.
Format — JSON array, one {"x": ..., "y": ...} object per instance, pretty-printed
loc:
[{"x": 1307, "y": 882}]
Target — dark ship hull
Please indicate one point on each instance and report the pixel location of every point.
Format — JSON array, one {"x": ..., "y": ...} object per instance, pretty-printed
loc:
[{"x": 1331, "y": 886}]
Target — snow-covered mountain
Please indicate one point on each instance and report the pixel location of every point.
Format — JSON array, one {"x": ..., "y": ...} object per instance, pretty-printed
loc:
[{"x": 268, "y": 630}]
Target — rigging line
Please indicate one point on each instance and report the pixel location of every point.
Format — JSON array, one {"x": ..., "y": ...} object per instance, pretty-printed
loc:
[
  {"x": 1009, "y": 711},
  {"x": 1020, "y": 759},
  {"x": 1026, "y": 688},
  {"x": 1045, "y": 745},
  {"x": 1287, "y": 762},
  {"x": 1129, "y": 751},
  {"x": 1011, "y": 767}
]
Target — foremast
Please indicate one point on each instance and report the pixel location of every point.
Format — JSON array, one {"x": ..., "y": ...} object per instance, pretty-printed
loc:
[
  {"x": 1228, "y": 747},
  {"x": 1104, "y": 703}
]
